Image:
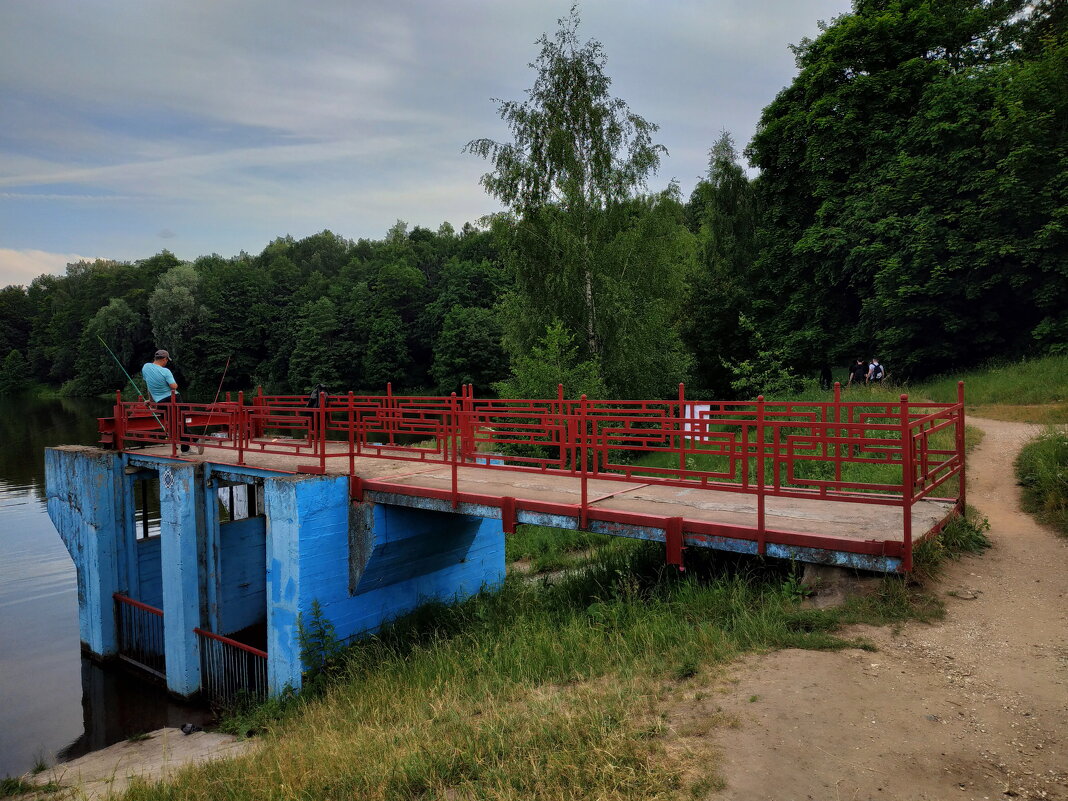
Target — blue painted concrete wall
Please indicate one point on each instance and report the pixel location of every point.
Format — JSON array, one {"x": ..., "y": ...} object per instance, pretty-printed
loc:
[
  {"x": 86, "y": 503},
  {"x": 364, "y": 563},
  {"x": 406, "y": 557},
  {"x": 181, "y": 502},
  {"x": 149, "y": 587},
  {"x": 242, "y": 574}
]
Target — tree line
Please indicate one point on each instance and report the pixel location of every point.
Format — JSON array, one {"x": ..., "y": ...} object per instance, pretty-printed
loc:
[{"x": 909, "y": 200}]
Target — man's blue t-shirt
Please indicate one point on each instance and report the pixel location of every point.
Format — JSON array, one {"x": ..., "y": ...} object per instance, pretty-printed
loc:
[{"x": 159, "y": 380}]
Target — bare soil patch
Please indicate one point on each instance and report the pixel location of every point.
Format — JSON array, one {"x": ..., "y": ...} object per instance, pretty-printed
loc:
[{"x": 973, "y": 707}]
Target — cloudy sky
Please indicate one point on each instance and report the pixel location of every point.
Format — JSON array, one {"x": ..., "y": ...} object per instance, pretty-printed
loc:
[{"x": 201, "y": 126}]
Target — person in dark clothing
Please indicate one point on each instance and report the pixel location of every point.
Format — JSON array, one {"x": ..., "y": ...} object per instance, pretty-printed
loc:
[
  {"x": 826, "y": 379},
  {"x": 858, "y": 373}
]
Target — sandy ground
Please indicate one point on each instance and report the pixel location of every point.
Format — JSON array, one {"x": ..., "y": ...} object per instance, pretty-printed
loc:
[{"x": 973, "y": 707}]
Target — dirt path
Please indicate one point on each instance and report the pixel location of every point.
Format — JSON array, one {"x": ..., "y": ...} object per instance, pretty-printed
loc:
[{"x": 973, "y": 707}]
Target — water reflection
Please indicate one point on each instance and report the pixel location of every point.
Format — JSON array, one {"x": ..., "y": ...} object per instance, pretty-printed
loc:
[
  {"x": 52, "y": 702},
  {"x": 117, "y": 705}
]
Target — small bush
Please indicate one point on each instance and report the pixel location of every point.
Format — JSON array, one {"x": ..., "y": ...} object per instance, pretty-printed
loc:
[
  {"x": 960, "y": 536},
  {"x": 1042, "y": 470}
]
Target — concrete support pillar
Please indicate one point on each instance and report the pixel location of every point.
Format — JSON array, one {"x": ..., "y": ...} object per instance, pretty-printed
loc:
[
  {"x": 307, "y": 518},
  {"x": 85, "y": 489},
  {"x": 181, "y": 501}
]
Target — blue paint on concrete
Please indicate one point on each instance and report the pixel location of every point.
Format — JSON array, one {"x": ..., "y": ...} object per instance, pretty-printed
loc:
[
  {"x": 859, "y": 561},
  {"x": 85, "y": 502},
  {"x": 241, "y": 574},
  {"x": 409, "y": 557},
  {"x": 149, "y": 572},
  {"x": 365, "y": 564},
  {"x": 181, "y": 501},
  {"x": 283, "y": 578}
]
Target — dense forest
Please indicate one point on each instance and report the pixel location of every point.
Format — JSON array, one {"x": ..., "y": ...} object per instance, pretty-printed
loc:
[{"x": 908, "y": 199}]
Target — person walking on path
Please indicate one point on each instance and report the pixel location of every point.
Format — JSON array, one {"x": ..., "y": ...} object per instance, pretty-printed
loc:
[
  {"x": 857, "y": 373},
  {"x": 160, "y": 381},
  {"x": 875, "y": 371}
]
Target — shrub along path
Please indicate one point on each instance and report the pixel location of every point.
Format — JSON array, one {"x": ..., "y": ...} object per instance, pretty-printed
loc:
[{"x": 972, "y": 707}]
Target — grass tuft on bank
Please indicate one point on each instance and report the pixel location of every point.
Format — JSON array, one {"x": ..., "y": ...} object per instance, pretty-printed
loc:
[{"x": 1042, "y": 470}]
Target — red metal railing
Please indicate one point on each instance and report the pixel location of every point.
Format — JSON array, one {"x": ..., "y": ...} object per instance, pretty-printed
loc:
[{"x": 888, "y": 452}]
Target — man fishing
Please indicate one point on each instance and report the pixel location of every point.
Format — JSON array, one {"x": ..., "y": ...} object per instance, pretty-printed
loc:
[{"x": 160, "y": 381}]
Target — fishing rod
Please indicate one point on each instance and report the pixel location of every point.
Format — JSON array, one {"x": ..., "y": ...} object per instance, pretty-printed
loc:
[
  {"x": 217, "y": 391},
  {"x": 133, "y": 383}
]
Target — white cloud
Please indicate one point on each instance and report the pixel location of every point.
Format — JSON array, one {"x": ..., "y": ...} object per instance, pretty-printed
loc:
[
  {"x": 22, "y": 266},
  {"x": 236, "y": 122}
]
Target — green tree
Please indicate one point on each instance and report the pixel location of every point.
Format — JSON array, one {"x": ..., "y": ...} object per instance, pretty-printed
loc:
[
  {"x": 900, "y": 215},
  {"x": 315, "y": 358},
  {"x": 173, "y": 309},
  {"x": 14, "y": 374},
  {"x": 569, "y": 177},
  {"x": 115, "y": 325},
  {"x": 16, "y": 319},
  {"x": 553, "y": 361},
  {"x": 722, "y": 212},
  {"x": 386, "y": 359},
  {"x": 468, "y": 350}
]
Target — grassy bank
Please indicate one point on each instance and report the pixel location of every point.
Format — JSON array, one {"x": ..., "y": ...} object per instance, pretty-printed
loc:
[
  {"x": 549, "y": 688},
  {"x": 1032, "y": 391},
  {"x": 1042, "y": 470}
]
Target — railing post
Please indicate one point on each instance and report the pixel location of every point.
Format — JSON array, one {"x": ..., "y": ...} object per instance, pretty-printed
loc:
[
  {"x": 352, "y": 434},
  {"x": 962, "y": 502},
  {"x": 172, "y": 410},
  {"x": 563, "y": 427},
  {"x": 257, "y": 421},
  {"x": 908, "y": 481},
  {"x": 583, "y": 509},
  {"x": 120, "y": 421},
  {"x": 838, "y": 432},
  {"x": 451, "y": 446},
  {"x": 682, "y": 429},
  {"x": 761, "y": 529},
  {"x": 324, "y": 402},
  {"x": 239, "y": 430},
  {"x": 389, "y": 411}
]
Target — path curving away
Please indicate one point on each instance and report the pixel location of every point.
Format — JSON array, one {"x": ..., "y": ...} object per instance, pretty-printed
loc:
[{"x": 972, "y": 707}]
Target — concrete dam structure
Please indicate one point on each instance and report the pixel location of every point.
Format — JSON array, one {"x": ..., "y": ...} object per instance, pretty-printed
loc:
[{"x": 197, "y": 566}]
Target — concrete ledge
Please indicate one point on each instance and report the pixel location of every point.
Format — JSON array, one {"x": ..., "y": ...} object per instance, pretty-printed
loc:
[{"x": 110, "y": 771}]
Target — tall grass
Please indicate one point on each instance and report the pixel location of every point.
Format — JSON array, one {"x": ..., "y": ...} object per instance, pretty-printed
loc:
[
  {"x": 1030, "y": 381},
  {"x": 544, "y": 689},
  {"x": 1042, "y": 470},
  {"x": 542, "y": 549}
]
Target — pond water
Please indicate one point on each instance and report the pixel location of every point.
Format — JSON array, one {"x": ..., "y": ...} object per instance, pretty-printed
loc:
[{"x": 54, "y": 704}]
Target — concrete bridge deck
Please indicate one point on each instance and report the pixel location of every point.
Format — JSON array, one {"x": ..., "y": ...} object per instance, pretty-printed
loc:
[{"x": 857, "y": 534}]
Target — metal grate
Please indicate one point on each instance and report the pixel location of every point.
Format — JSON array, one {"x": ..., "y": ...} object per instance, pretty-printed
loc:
[
  {"x": 230, "y": 670},
  {"x": 140, "y": 634}
]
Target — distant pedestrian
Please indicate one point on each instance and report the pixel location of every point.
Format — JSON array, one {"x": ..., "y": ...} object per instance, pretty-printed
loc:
[
  {"x": 875, "y": 371},
  {"x": 826, "y": 379},
  {"x": 160, "y": 381},
  {"x": 857, "y": 373}
]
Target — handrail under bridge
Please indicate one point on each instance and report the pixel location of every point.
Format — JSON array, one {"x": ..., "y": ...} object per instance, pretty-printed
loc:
[{"x": 887, "y": 452}]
